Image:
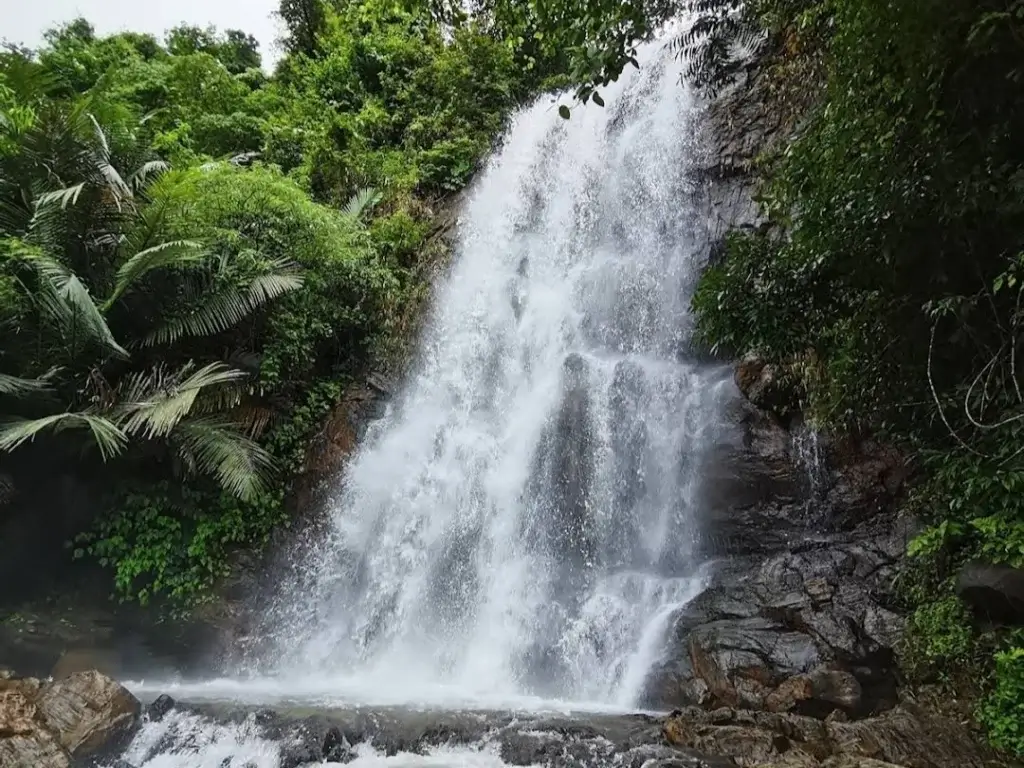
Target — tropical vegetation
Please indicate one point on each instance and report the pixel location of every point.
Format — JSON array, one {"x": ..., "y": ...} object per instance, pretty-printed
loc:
[{"x": 196, "y": 255}]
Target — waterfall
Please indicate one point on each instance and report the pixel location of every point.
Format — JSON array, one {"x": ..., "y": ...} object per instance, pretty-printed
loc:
[{"x": 521, "y": 520}]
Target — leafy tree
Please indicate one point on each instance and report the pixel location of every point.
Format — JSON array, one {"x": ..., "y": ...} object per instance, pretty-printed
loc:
[
  {"x": 169, "y": 335},
  {"x": 236, "y": 50},
  {"x": 305, "y": 21}
]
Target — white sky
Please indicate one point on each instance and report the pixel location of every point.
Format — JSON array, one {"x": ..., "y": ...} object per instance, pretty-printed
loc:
[{"x": 23, "y": 21}]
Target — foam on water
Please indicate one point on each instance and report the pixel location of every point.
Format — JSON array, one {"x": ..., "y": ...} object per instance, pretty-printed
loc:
[{"x": 190, "y": 741}]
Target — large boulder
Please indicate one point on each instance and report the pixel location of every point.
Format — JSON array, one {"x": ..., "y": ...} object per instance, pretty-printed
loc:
[
  {"x": 85, "y": 715},
  {"x": 994, "y": 592}
]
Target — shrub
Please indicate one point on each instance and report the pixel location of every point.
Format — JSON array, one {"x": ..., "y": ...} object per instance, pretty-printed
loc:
[{"x": 1002, "y": 711}]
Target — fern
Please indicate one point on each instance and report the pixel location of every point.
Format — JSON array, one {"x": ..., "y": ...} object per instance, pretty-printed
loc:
[
  {"x": 362, "y": 201},
  {"x": 174, "y": 253}
]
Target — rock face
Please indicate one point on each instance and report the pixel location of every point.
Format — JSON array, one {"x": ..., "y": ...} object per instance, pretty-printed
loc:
[
  {"x": 795, "y": 615},
  {"x": 85, "y": 715},
  {"x": 906, "y": 736}
]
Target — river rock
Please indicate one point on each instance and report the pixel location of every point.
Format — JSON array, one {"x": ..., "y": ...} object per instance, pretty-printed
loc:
[
  {"x": 85, "y": 715},
  {"x": 161, "y": 705},
  {"x": 765, "y": 386}
]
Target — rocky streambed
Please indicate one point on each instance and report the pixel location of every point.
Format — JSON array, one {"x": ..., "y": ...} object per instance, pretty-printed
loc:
[{"x": 91, "y": 721}]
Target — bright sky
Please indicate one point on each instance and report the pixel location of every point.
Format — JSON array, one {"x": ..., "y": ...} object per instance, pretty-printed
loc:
[{"x": 23, "y": 21}]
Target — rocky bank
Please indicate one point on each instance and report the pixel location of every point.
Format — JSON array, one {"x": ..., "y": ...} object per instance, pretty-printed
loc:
[
  {"x": 797, "y": 612},
  {"x": 85, "y": 723}
]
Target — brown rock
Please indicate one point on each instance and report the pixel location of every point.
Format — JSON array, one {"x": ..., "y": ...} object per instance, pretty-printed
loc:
[
  {"x": 89, "y": 711},
  {"x": 675, "y": 732},
  {"x": 17, "y": 713},
  {"x": 83, "y": 660},
  {"x": 818, "y": 589},
  {"x": 906, "y": 737},
  {"x": 836, "y": 686},
  {"x": 789, "y": 693},
  {"x": 41, "y": 749}
]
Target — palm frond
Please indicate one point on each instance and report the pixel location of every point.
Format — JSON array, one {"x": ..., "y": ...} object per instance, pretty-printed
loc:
[
  {"x": 67, "y": 196},
  {"x": 104, "y": 167},
  {"x": 218, "y": 312},
  {"x": 360, "y": 202},
  {"x": 240, "y": 465},
  {"x": 75, "y": 305},
  {"x": 228, "y": 306},
  {"x": 139, "y": 178},
  {"x": 110, "y": 438},
  {"x": 284, "y": 276},
  {"x": 17, "y": 386},
  {"x": 173, "y": 253},
  {"x": 157, "y": 403}
]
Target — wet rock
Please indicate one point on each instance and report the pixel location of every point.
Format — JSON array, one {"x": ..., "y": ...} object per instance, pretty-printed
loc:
[
  {"x": 847, "y": 761},
  {"x": 766, "y": 386},
  {"x": 994, "y": 592},
  {"x": 904, "y": 736},
  {"x": 819, "y": 692},
  {"x": 49, "y": 725},
  {"x": 85, "y": 659},
  {"x": 796, "y": 612},
  {"x": 161, "y": 706},
  {"x": 91, "y": 712}
]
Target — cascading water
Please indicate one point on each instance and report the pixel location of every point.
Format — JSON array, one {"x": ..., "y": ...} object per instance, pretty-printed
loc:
[
  {"x": 520, "y": 522},
  {"x": 518, "y": 530}
]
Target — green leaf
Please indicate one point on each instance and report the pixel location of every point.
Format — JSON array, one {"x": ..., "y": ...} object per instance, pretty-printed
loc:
[
  {"x": 65, "y": 197},
  {"x": 215, "y": 447},
  {"x": 361, "y": 201},
  {"x": 110, "y": 439},
  {"x": 597, "y": 99},
  {"x": 156, "y": 402},
  {"x": 15, "y": 386},
  {"x": 71, "y": 303},
  {"x": 563, "y": 112},
  {"x": 176, "y": 253},
  {"x": 229, "y": 306}
]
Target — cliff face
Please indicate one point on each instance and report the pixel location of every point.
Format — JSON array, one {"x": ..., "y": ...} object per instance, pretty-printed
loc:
[{"x": 797, "y": 613}]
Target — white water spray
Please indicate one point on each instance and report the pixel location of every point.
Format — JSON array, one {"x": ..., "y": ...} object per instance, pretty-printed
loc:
[{"x": 520, "y": 523}]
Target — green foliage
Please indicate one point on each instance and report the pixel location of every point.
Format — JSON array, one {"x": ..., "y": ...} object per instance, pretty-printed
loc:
[
  {"x": 387, "y": 102},
  {"x": 1002, "y": 712},
  {"x": 176, "y": 326},
  {"x": 172, "y": 542},
  {"x": 940, "y": 639}
]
